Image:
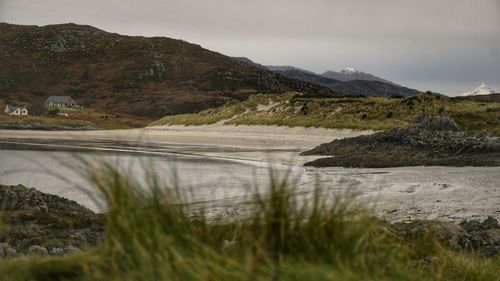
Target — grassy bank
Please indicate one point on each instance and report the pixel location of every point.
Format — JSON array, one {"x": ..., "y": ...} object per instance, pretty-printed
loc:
[
  {"x": 76, "y": 119},
  {"x": 152, "y": 235},
  {"x": 373, "y": 113}
]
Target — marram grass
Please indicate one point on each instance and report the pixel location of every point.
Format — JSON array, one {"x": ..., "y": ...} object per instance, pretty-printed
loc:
[
  {"x": 360, "y": 113},
  {"x": 152, "y": 234}
]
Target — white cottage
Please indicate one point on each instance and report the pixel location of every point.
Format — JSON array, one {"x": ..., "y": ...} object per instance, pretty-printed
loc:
[{"x": 16, "y": 110}]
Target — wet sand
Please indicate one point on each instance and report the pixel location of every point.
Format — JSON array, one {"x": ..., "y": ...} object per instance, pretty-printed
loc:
[
  {"x": 213, "y": 135},
  {"x": 218, "y": 161}
]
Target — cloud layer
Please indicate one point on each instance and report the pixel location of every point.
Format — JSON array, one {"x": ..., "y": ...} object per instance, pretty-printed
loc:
[{"x": 448, "y": 45}]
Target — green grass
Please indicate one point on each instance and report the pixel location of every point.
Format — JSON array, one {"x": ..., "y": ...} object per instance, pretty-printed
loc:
[
  {"x": 49, "y": 121},
  {"x": 367, "y": 113},
  {"x": 78, "y": 118},
  {"x": 153, "y": 235}
]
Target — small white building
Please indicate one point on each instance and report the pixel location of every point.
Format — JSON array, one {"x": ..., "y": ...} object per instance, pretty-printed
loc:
[{"x": 16, "y": 110}]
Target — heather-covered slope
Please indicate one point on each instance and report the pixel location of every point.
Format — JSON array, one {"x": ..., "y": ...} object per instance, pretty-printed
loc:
[{"x": 124, "y": 74}]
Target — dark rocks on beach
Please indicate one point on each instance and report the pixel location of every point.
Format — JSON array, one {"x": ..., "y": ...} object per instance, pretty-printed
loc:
[
  {"x": 480, "y": 237},
  {"x": 430, "y": 141},
  {"x": 35, "y": 223}
]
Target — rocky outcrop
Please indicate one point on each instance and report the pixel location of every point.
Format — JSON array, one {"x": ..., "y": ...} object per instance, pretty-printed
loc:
[
  {"x": 35, "y": 223},
  {"x": 430, "y": 141},
  {"x": 479, "y": 237}
]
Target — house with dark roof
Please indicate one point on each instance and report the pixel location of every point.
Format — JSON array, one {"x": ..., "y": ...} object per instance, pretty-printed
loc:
[
  {"x": 60, "y": 101},
  {"x": 16, "y": 110}
]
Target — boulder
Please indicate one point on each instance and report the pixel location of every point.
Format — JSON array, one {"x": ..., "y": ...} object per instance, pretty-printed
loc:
[
  {"x": 6, "y": 251},
  {"x": 436, "y": 123},
  {"x": 36, "y": 250}
]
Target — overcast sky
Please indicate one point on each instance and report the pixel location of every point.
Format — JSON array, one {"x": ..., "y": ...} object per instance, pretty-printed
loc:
[{"x": 449, "y": 46}]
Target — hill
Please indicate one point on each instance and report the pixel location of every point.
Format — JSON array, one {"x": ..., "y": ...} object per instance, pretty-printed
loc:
[
  {"x": 126, "y": 74},
  {"x": 349, "y": 82},
  {"x": 350, "y": 74}
]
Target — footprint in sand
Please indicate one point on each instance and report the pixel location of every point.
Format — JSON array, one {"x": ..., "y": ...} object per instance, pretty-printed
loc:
[
  {"x": 411, "y": 188},
  {"x": 442, "y": 186}
]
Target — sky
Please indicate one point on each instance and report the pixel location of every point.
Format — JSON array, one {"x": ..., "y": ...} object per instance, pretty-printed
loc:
[{"x": 447, "y": 46}]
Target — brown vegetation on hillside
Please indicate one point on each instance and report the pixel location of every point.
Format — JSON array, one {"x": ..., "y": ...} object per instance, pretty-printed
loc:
[{"x": 124, "y": 74}]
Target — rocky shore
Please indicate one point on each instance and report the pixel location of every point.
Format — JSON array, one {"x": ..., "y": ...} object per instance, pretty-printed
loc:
[
  {"x": 430, "y": 141},
  {"x": 482, "y": 238},
  {"x": 35, "y": 223}
]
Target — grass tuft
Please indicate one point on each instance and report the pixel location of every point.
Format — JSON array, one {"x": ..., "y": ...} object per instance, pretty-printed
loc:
[{"x": 154, "y": 234}]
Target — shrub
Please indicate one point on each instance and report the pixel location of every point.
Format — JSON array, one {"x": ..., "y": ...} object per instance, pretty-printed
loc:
[{"x": 53, "y": 112}]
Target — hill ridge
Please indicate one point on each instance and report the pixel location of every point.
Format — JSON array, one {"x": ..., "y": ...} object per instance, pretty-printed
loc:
[{"x": 143, "y": 76}]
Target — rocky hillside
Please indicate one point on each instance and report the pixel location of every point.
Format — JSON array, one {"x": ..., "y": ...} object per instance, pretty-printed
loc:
[
  {"x": 124, "y": 74},
  {"x": 38, "y": 223}
]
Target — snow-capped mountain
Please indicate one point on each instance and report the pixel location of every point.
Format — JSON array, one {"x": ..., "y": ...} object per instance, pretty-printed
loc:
[
  {"x": 348, "y": 81},
  {"x": 483, "y": 89},
  {"x": 350, "y": 74},
  {"x": 350, "y": 71}
]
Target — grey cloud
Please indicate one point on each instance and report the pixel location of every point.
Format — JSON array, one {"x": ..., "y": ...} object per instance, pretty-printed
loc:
[{"x": 446, "y": 43}]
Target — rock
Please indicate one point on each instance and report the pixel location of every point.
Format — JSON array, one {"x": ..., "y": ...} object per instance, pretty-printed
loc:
[
  {"x": 473, "y": 225},
  {"x": 38, "y": 220},
  {"x": 436, "y": 123},
  {"x": 430, "y": 141},
  {"x": 480, "y": 237},
  {"x": 57, "y": 252},
  {"x": 70, "y": 250},
  {"x": 493, "y": 236},
  {"x": 6, "y": 251},
  {"x": 9, "y": 200},
  {"x": 36, "y": 250},
  {"x": 490, "y": 223},
  {"x": 449, "y": 233}
]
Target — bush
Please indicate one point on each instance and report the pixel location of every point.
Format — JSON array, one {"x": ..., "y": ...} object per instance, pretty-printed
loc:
[{"x": 53, "y": 112}]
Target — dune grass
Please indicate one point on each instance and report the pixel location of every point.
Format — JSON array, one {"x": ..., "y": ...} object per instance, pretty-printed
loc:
[
  {"x": 153, "y": 235},
  {"x": 362, "y": 113}
]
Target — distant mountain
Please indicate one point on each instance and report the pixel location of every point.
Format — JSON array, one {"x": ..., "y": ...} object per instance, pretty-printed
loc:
[
  {"x": 127, "y": 74},
  {"x": 351, "y": 81},
  {"x": 287, "y": 68},
  {"x": 483, "y": 93},
  {"x": 350, "y": 74},
  {"x": 480, "y": 98},
  {"x": 352, "y": 87},
  {"x": 483, "y": 89}
]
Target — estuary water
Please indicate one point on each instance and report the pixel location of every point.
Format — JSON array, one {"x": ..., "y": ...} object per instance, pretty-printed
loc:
[{"x": 222, "y": 176}]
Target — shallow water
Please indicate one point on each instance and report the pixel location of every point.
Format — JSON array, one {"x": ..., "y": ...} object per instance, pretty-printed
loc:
[{"x": 225, "y": 175}]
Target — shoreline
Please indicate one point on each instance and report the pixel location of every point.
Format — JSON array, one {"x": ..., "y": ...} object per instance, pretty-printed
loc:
[{"x": 241, "y": 136}]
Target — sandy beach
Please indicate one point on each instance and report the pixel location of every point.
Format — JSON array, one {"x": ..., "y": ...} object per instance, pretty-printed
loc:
[
  {"x": 219, "y": 160},
  {"x": 210, "y": 135}
]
